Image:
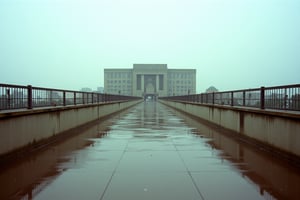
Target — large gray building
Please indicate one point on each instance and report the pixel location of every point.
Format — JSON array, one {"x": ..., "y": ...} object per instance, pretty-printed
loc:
[{"x": 150, "y": 81}]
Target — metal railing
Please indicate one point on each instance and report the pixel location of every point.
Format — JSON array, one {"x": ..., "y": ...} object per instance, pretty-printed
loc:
[
  {"x": 17, "y": 97},
  {"x": 285, "y": 97}
]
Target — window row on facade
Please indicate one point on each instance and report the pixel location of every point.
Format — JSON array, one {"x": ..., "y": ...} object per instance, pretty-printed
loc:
[
  {"x": 180, "y": 76},
  {"x": 118, "y": 75},
  {"x": 150, "y": 79}
]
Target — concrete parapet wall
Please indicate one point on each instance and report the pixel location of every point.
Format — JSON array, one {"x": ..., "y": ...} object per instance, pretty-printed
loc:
[
  {"x": 277, "y": 130},
  {"x": 22, "y": 128}
]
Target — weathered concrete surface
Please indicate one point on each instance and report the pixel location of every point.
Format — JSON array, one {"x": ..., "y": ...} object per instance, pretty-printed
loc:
[
  {"x": 22, "y": 128},
  {"x": 149, "y": 152},
  {"x": 277, "y": 130}
]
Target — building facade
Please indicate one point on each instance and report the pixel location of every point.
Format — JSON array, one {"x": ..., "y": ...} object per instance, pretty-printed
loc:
[{"x": 150, "y": 81}]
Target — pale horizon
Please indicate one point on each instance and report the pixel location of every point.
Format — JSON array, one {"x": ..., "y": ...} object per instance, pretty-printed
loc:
[{"x": 232, "y": 44}]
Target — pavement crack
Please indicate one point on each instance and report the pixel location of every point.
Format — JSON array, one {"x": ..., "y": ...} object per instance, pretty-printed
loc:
[
  {"x": 189, "y": 173},
  {"x": 113, "y": 173}
]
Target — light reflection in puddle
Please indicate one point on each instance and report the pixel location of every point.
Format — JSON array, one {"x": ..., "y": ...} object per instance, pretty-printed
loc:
[{"x": 149, "y": 152}]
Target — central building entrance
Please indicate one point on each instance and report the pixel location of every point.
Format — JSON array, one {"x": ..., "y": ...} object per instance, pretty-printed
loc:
[
  {"x": 150, "y": 92},
  {"x": 150, "y": 80}
]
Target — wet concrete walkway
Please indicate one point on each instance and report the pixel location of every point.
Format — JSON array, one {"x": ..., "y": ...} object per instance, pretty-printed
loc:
[{"x": 149, "y": 152}]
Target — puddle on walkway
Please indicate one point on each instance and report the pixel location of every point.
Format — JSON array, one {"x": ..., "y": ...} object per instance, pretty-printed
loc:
[{"x": 149, "y": 152}]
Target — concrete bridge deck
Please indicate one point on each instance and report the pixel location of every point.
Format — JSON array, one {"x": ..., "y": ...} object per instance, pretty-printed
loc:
[{"x": 149, "y": 152}]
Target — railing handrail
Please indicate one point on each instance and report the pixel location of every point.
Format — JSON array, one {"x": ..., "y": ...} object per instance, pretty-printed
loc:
[
  {"x": 287, "y": 98},
  {"x": 10, "y": 85},
  {"x": 255, "y": 89},
  {"x": 20, "y": 96}
]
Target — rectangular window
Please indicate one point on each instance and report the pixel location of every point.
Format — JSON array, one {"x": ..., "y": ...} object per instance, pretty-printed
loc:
[
  {"x": 161, "y": 82},
  {"x": 138, "y": 82}
]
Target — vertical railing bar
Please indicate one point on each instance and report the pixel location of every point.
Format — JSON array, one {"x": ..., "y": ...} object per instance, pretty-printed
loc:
[
  {"x": 64, "y": 98},
  {"x": 244, "y": 98},
  {"x": 74, "y": 103},
  {"x": 262, "y": 97},
  {"x": 29, "y": 99}
]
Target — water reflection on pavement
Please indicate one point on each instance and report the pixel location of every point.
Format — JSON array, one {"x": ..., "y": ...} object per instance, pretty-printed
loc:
[{"x": 149, "y": 152}]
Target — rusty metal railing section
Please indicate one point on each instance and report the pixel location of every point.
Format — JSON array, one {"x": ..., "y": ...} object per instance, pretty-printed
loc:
[
  {"x": 18, "y": 97},
  {"x": 285, "y": 97}
]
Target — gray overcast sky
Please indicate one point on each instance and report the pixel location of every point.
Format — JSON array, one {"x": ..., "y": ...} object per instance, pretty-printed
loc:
[{"x": 233, "y": 44}]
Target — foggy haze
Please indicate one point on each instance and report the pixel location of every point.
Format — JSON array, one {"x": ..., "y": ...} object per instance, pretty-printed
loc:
[{"x": 233, "y": 44}]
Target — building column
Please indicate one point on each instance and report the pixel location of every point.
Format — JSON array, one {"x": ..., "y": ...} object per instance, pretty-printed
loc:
[
  {"x": 142, "y": 84},
  {"x": 157, "y": 83}
]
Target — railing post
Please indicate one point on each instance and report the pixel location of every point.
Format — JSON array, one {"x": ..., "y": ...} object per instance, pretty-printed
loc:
[
  {"x": 50, "y": 98},
  {"x": 64, "y": 98},
  {"x": 213, "y": 98},
  {"x": 232, "y": 103},
  {"x": 262, "y": 97},
  {"x": 74, "y": 98},
  {"x": 29, "y": 97},
  {"x": 285, "y": 99},
  {"x": 8, "y": 98},
  {"x": 244, "y": 98}
]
